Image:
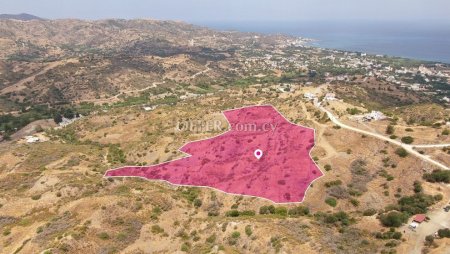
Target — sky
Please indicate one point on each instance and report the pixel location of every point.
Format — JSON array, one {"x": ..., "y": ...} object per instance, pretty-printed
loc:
[{"x": 234, "y": 10}]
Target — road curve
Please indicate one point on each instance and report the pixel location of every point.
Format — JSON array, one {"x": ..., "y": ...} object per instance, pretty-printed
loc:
[{"x": 408, "y": 148}]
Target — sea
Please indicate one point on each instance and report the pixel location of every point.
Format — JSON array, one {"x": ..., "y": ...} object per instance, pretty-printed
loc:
[{"x": 420, "y": 40}]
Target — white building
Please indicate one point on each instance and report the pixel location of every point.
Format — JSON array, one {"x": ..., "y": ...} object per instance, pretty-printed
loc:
[
  {"x": 374, "y": 116},
  {"x": 330, "y": 97},
  {"x": 309, "y": 96}
]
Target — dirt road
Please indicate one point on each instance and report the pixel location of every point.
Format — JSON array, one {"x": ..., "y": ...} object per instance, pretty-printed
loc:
[
  {"x": 438, "y": 219},
  {"x": 408, "y": 148}
]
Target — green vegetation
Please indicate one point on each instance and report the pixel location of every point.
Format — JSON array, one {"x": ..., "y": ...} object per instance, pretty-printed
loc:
[
  {"x": 333, "y": 183},
  {"x": 417, "y": 187},
  {"x": 103, "y": 236},
  {"x": 407, "y": 140},
  {"x": 156, "y": 229},
  {"x": 283, "y": 211},
  {"x": 401, "y": 152},
  {"x": 390, "y": 129},
  {"x": 437, "y": 176},
  {"x": 236, "y": 213},
  {"x": 331, "y": 201},
  {"x": 391, "y": 234},
  {"x": 248, "y": 230},
  {"x": 369, "y": 212},
  {"x": 338, "y": 219},
  {"x": 298, "y": 211},
  {"x": 116, "y": 155},
  {"x": 353, "y": 111},
  {"x": 415, "y": 204},
  {"x": 327, "y": 167},
  {"x": 444, "y": 233},
  {"x": 267, "y": 209},
  {"x": 393, "y": 219}
]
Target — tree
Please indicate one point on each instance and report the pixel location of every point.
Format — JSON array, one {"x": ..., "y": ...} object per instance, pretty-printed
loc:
[
  {"x": 57, "y": 118},
  {"x": 393, "y": 219},
  {"x": 445, "y": 232},
  {"x": 408, "y": 140},
  {"x": 417, "y": 187},
  {"x": 331, "y": 202},
  {"x": 438, "y": 176},
  {"x": 69, "y": 113},
  {"x": 401, "y": 152},
  {"x": 390, "y": 129},
  {"x": 267, "y": 209},
  {"x": 429, "y": 239}
]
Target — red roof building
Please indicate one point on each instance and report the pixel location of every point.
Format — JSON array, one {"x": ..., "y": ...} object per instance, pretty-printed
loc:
[{"x": 419, "y": 218}]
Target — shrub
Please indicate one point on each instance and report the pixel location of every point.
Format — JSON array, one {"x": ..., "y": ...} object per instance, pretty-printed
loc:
[
  {"x": 236, "y": 213},
  {"x": 333, "y": 183},
  {"x": 247, "y": 213},
  {"x": 281, "y": 210},
  {"x": 267, "y": 209},
  {"x": 103, "y": 236},
  {"x": 197, "y": 202},
  {"x": 36, "y": 197},
  {"x": 339, "y": 217},
  {"x": 298, "y": 211},
  {"x": 185, "y": 247},
  {"x": 417, "y": 187},
  {"x": 354, "y": 202},
  {"x": 211, "y": 239},
  {"x": 369, "y": 212},
  {"x": 156, "y": 229},
  {"x": 248, "y": 230},
  {"x": 445, "y": 232},
  {"x": 438, "y": 197},
  {"x": 446, "y": 132},
  {"x": 232, "y": 213},
  {"x": 439, "y": 176},
  {"x": 235, "y": 234},
  {"x": 327, "y": 167},
  {"x": 393, "y": 219},
  {"x": 429, "y": 239},
  {"x": 407, "y": 140},
  {"x": 390, "y": 129},
  {"x": 391, "y": 234},
  {"x": 331, "y": 201},
  {"x": 401, "y": 152},
  {"x": 415, "y": 204}
]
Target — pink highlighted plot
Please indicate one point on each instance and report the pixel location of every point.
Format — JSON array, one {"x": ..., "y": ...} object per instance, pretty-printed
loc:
[{"x": 262, "y": 155}]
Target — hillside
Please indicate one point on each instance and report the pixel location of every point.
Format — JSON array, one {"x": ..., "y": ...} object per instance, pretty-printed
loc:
[
  {"x": 21, "y": 16},
  {"x": 78, "y": 98}
]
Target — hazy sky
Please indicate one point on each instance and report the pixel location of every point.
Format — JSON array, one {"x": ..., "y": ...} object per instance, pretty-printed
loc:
[{"x": 234, "y": 10}]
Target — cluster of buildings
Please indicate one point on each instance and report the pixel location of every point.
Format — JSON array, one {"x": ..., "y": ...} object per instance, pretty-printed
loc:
[
  {"x": 296, "y": 56},
  {"x": 371, "y": 116}
]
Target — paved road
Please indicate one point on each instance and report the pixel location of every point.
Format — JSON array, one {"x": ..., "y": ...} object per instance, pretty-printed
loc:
[{"x": 408, "y": 148}]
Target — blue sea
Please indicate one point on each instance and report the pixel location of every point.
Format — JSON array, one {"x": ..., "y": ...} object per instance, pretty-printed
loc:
[{"x": 417, "y": 40}]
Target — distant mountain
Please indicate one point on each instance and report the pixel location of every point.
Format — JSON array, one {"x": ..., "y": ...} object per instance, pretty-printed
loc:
[{"x": 22, "y": 16}]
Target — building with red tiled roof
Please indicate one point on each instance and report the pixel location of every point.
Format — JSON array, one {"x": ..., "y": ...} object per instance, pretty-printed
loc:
[{"x": 419, "y": 218}]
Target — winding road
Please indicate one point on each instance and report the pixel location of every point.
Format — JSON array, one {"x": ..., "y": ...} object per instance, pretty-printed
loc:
[{"x": 409, "y": 148}]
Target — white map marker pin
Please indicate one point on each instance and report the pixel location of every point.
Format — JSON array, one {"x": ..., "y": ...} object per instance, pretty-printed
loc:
[{"x": 258, "y": 154}]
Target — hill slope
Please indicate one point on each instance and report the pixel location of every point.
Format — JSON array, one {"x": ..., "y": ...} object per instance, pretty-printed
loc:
[{"x": 21, "y": 16}]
